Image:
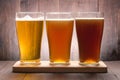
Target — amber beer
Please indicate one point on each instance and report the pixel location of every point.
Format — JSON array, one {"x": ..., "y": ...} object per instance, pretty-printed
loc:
[
  {"x": 59, "y": 32},
  {"x": 29, "y": 33},
  {"x": 89, "y": 34}
]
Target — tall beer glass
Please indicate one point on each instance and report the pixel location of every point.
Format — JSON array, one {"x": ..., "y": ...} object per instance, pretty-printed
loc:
[
  {"x": 89, "y": 27},
  {"x": 59, "y": 32},
  {"x": 29, "y": 27}
]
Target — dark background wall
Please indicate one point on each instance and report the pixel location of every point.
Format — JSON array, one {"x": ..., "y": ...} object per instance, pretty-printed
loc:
[{"x": 110, "y": 49}]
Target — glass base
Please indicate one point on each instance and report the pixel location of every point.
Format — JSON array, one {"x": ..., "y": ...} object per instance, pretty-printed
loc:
[
  {"x": 30, "y": 62},
  {"x": 59, "y": 63},
  {"x": 89, "y": 64}
]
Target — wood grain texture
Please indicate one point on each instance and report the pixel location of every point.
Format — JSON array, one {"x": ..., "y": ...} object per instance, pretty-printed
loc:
[
  {"x": 113, "y": 73},
  {"x": 49, "y": 5},
  {"x": 8, "y": 40},
  {"x": 86, "y": 5},
  {"x": 111, "y": 39},
  {"x": 6, "y": 72},
  {"x": 28, "y": 5},
  {"x": 67, "y": 6}
]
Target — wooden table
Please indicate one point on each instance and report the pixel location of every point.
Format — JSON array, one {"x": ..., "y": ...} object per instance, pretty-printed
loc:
[{"x": 7, "y": 74}]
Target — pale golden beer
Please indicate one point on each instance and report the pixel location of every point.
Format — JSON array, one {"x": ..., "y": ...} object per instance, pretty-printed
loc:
[
  {"x": 59, "y": 33},
  {"x": 29, "y": 33}
]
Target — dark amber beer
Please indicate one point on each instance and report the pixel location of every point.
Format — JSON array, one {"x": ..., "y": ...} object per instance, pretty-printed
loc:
[
  {"x": 89, "y": 34},
  {"x": 29, "y": 33},
  {"x": 59, "y": 32}
]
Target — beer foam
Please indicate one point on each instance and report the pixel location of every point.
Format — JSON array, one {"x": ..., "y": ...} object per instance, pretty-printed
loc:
[
  {"x": 59, "y": 19},
  {"x": 90, "y": 18},
  {"x": 28, "y": 18}
]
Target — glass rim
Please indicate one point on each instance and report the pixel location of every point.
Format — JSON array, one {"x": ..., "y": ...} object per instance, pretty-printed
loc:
[
  {"x": 59, "y": 16},
  {"x": 29, "y": 13},
  {"x": 89, "y": 15},
  {"x": 58, "y": 12},
  {"x": 92, "y": 12}
]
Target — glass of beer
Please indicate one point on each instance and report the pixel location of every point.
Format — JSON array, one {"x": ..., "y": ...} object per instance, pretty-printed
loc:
[
  {"x": 89, "y": 27},
  {"x": 59, "y": 32},
  {"x": 29, "y": 26}
]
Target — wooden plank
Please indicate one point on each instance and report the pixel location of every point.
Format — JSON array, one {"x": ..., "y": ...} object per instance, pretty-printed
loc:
[
  {"x": 61, "y": 76},
  {"x": 6, "y": 71},
  {"x": 8, "y": 40},
  {"x": 110, "y": 35},
  {"x": 114, "y": 66},
  {"x": 45, "y": 66},
  {"x": 86, "y": 5},
  {"x": 111, "y": 75},
  {"x": 70, "y": 76},
  {"x": 67, "y": 6},
  {"x": 29, "y": 5},
  {"x": 48, "y": 5}
]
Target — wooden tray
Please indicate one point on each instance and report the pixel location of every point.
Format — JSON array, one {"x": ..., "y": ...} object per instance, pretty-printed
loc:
[{"x": 73, "y": 67}]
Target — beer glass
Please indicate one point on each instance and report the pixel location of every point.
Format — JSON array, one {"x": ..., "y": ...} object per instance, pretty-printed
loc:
[
  {"x": 89, "y": 27},
  {"x": 59, "y": 32},
  {"x": 29, "y": 26}
]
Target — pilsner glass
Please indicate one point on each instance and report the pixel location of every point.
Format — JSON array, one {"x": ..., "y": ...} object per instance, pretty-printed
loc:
[
  {"x": 59, "y": 32},
  {"x": 29, "y": 26},
  {"x": 89, "y": 27}
]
